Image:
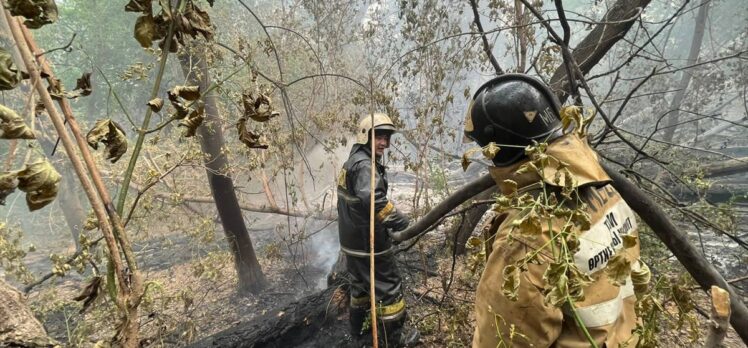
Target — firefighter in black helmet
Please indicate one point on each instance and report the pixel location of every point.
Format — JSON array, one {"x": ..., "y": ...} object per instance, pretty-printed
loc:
[
  {"x": 354, "y": 192},
  {"x": 513, "y": 111}
]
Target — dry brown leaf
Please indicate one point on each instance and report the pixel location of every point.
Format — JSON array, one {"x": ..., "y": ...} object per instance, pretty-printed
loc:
[
  {"x": 194, "y": 120},
  {"x": 143, "y": 6},
  {"x": 10, "y": 76},
  {"x": 246, "y": 136},
  {"x": 156, "y": 104},
  {"x": 259, "y": 109},
  {"x": 12, "y": 125},
  {"x": 36, "y": 12},
  {"x": 188, "y": 93},
  {"x": 8, "y": 185},
  {"x": 145, "y": 30},
  {"x": 111, "y": 135},
  {"x": 40, "y": 181}
]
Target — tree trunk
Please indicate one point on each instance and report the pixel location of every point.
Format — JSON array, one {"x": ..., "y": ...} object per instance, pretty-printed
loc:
[
  {"x": 249, "y": 273},
  {"x": 724, "y": 168},
  {"x": 698, "y": 34},
  {"x": 472, "y": 217},
  {"x": 18, "y": 326},
  {"x": 599, "y": 41}
]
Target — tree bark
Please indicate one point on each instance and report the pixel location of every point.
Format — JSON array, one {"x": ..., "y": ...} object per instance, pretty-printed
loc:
[
  {"x": 698, "y": 35},
  {"x": 249, "y": 272},
  {"x": 720, "y": 318},
  {"x": 18, "y": 326}
]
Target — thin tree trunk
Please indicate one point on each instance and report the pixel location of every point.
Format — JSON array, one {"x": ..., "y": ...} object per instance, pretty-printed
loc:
[
  {"x": 698, "y": 35},
  {"x": 249, "y": 272}
]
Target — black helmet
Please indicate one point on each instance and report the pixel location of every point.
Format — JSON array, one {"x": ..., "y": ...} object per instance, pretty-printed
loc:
[{"x": 512, "y": 110}]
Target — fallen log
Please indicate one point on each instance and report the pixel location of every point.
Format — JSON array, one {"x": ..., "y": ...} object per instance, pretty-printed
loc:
[
  {"x": 729, "y": 167},
  {"x": 317, "y": 320}
]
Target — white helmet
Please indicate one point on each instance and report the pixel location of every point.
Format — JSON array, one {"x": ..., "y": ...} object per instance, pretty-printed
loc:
[{"x": 382, "y": 122}]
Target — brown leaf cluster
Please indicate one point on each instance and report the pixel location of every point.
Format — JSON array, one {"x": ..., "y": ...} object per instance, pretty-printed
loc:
[
  {"x": 10, "y": 75},
  {"x": 258, "y": 108},
  {"x": 192, "y": 21},
  {"x": 188, "y": 108},
  {"x": 12, "y": 125},
  {"x": 36, "y": 12},
  {"x": 39, "y": 180},
  {"x": 111, "y": 135}
]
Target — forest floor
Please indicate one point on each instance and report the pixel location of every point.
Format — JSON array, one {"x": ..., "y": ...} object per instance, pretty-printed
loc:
[
  {"x": 188, "y": 306},
  {"x": 192, "y": 292}
]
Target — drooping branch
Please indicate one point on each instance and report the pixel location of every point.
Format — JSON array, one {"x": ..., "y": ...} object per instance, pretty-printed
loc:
[
  {"x": 600, "y": 40},
  {"x": 484, "y": 39}
]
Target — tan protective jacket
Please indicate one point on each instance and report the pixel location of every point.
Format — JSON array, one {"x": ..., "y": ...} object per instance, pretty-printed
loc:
[{"x": 607, "y": 310}]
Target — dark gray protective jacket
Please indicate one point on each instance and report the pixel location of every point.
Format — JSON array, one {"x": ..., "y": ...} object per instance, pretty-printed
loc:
[{"x": 354, "y": 192}]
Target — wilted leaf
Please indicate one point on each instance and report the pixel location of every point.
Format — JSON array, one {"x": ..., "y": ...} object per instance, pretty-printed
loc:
[
  {"x": 510, "y": 287},
  {"x": 143, "y": 6},
  {"x": 10, "y": 76},
  {"x": 91, "y": 223},
  {"x": 618, "y": 269},
  {"x": 194, "y": 120},
  {"x": 490, "y": 150},
  {"x": 111, "y": 135},
  {"x": 246, "y": 136},
  {"x": 188, "y": 93},
  {"x": 89, "y": 293},
  {"x": 55, "y": 89},
  {"x": 36, "y": 12},
  {"x": 196, "y": 21},
  {"x": 530, "y": 225},
  {"x": 465, "y": 162},
  {"x": 145, "y": 30},
  {"x": 40, "y": 181},
  {"x": 259, "y": 109},
  {"x": 8, "y": 185},
  {"x": 13, "y": 126},
  {"x": 511, "y": 185},
  {"x": 156, "y": 104},
  {"x": 84, "y": 84}
]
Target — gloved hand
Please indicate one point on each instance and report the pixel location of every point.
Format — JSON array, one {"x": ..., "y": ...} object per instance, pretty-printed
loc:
[{"x": 396, "y": 221}]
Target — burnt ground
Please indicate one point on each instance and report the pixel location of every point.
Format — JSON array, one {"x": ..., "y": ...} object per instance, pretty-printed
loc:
[{"x": 193, "y": 290}]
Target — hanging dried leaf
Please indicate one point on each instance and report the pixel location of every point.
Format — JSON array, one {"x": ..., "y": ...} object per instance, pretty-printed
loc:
[
  {"x": 143, "y": 6},
  {"x": 10, "y": 76},
  {"x": 465, "y": 162},
  {"x": 8, "y": 185},
  {"x": 84, "y": 84},
  {"x": 188, "y": 93},
  {"x": 145, "y": 30},
  {"x": 89, "y": 293},
  {"x": 259, "y": 109},
  {"x": 55, "y": 89},
  {"x": 12, "y": 125},
  {"x": 194, "y": 120},
  {"x": 111, "y": 135},
  {"x": 196, "y": 21},
  {"x": 246, "y": 136},
  {"x": 36, "y": 12},
  {"x": 156, "y": 104},
  {"x": 510, "y": 287},
  {"x": 40, "y": 181}
]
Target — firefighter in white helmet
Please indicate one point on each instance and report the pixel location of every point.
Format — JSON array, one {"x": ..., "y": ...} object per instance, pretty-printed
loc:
[
  {"x": 354, "y": 192},
  {"x": 515, "y": 111}
]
